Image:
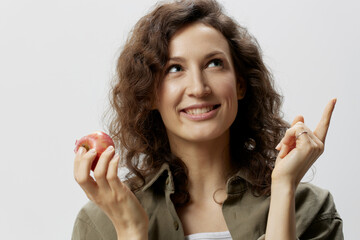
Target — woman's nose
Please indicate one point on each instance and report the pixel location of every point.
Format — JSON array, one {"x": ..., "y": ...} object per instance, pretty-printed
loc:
[{"x": 198, "y": 86}]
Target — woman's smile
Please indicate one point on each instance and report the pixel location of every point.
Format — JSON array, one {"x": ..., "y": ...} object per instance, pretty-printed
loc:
[{"x": 200, "y": 112}]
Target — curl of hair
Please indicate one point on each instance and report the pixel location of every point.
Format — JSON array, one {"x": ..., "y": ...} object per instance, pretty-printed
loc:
[{"x": 139, "y": 129}]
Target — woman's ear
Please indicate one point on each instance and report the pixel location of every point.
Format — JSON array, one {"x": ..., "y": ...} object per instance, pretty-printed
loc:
[{"x": 240, "y": 88}]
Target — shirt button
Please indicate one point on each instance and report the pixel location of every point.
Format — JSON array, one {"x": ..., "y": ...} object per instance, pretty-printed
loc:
[{"x": 176, "y": 225}]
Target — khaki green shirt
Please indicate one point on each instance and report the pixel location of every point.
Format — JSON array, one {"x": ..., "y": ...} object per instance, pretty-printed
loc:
[{"x": 245, "y": 214}]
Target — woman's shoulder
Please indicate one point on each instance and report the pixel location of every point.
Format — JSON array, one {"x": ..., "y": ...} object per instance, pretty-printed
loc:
[
  {"x": 90, "y": 213},
  {"x": 316, "y": 212},
  {"x": 311, "y": 196},
  {"x": 314, "y": 200},
  {"x": 92, "y": 223},
  {"x": 309, "y": 189}
]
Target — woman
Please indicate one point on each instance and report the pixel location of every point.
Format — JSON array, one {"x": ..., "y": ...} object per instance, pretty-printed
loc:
[{"x": 197, "y": 120}]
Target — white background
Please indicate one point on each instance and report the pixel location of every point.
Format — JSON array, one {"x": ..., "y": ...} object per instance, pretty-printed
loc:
[{"x": 56, "y": 61}]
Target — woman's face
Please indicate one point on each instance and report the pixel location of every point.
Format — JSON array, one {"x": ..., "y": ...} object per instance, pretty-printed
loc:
[{"x": 198, "y": 95}]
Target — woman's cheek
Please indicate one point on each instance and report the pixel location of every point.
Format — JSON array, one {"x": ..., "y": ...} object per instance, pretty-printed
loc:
[
  {"x": 227, "y": 89},
  {"x": 169, "y": 96}
]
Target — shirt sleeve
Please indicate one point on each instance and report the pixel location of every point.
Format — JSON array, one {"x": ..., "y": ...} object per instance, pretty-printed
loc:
[{"x": 326, "y": 226}]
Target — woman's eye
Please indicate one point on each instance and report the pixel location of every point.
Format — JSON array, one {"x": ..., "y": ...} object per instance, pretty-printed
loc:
[
  {"x": 215, "y": 63},
  {"x": 174, "y": 68}
]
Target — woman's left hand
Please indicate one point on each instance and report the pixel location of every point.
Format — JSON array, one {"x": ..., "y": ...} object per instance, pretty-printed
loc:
[{"x": 300, "y": 147}]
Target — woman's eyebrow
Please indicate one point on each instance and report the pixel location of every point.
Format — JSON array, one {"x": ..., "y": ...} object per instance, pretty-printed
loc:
[
  {"x": 176, "y": 59},
  {"x": 214, "y": 53}
]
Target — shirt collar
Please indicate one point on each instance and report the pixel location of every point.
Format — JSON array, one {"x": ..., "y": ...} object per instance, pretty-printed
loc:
[
  {"x": 237, "y": 182},
  {"x": 163, "y": 170}
]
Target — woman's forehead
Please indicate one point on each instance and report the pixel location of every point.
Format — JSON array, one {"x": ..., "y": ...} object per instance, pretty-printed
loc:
[{"x": 197, "y": 38}]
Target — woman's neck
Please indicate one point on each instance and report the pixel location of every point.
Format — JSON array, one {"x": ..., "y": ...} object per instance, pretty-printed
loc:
[{"x": 208, "y": 164}]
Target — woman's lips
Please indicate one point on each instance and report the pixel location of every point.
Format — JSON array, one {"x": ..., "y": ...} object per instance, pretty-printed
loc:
[{"x": 200, "y": 112}]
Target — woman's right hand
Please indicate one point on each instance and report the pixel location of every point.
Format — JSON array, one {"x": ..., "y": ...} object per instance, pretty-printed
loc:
[{"x": 110, "y": 194}]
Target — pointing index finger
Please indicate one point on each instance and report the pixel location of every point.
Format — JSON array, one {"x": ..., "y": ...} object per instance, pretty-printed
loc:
[{"x": 323, "y": 126}]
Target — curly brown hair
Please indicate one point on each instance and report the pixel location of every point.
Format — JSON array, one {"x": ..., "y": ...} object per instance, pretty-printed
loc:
[{"x": 139, "y": 129}]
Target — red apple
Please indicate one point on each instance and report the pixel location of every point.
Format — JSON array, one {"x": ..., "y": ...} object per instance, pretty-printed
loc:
[{"x": 97, "y": 140}]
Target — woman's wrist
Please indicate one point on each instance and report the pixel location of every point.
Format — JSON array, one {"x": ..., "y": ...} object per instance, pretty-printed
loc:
[
  {"x": 283, "y": 187},
  {"x": 135, "y": 233},
  {"x": 140, "y": 237},
  {"x": 281, "y": 219}
]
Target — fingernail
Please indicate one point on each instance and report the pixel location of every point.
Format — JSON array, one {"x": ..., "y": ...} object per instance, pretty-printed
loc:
[
  {"x": 110, "y": 148},
  {"x": 92, "y": 151},
  {"x": 80, "y": 150},
  {"x": 278, "y": 146}
]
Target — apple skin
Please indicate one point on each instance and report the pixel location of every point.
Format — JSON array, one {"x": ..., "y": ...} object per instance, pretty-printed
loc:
[{"x": 98, "y": 140}]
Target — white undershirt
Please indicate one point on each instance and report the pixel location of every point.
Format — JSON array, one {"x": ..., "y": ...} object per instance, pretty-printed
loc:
[{"x": 209, "y": 236}]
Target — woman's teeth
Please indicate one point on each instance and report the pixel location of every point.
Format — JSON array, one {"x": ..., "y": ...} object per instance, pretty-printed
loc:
[{"x": 196, "y": 111}]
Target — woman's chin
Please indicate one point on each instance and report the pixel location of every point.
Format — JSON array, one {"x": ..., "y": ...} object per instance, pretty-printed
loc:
[{"x": 203, "y": 135}]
